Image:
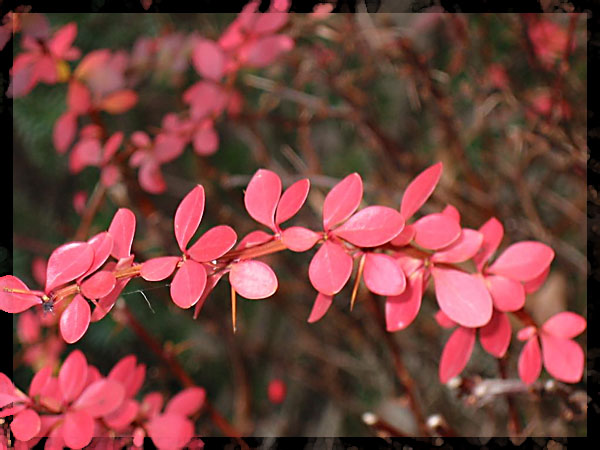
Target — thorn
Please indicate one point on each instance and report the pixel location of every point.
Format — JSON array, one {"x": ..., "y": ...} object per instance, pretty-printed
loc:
[
  {"x": 359, "y": 272},
  {"x": 233, "y": 310}
]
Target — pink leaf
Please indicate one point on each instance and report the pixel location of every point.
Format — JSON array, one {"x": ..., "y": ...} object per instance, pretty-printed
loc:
[
  {"x": 151, "y": 179},
  {"x": 383, "y": 275},
  {"x": 565, "y": 325},
  {"x": 492, "y": 232},
  {"x": 170, "y": 431},
  {"x": 299, "y": 239},
  {"x": 39, "y": 380},
  {"x": 211, "y": 282},
  {"x": 168, "y": 147},
  {"x": 62, "y": 40},
  {"x": 102, "y": 245},
  {"x": 15, "y": 303},
  {"x": 206, "y": 141},
  {"x": 495, "y": 336},
  {"x": 100, "y": 398},
  {"x": 320, "y": 307},
  {"x": 533, "y": 285},
  {"x": 72, "y": 376},
  {"x": 157, "y": 269},
  {"x": 292, "y": 200},
  {"x": 436, "y": 231},
  {"x": 330, "y": 268},
  {"x": 75, "y": 320},
  {"x": 462, "y": 249},
  {"x": 64, "y": 131},
  {"x": 105, "y": 304},
  {"x": 401, "y": 310},
  {"x": 186, "y": 402},
  {"x": 371, "y": 227},
  {"x": 342, "y": 200},
  {"x": 213, "y": 244},
  {"x": 523, "y": 261},
  {"x": 129, "y": 374},
  {"x": 452, "y": 212},
  {"x": 188, "y": 216},
  {"x": 419, "y": 190},
  {"x": 404, "y": 237},
  {"x": 78, "y": 429},
  {"x": 443, "y": 320},
  {"x": 122, "y": 230},
  {"x": 262, "y": 195},
  {"x": 119, "y": 102},
  {"x": 507, "y": 294},
  {"x": 79, "y": 99},
  {"x": 98, "y": 285},
  {"x": 526, "y": 333},
  {"x": 253, "y": 279},
  {"x": 456, "y": 353},
  {"x": 87, "y": 152},
  {"x": 269, "y": 23},
  {"x": 188, "y": 284},
  {"x": 530, "y": 361},
  {"x": 208, "y": 59},
  {"x": 265, "y": 50},
  {"x": 563, "y": 358},
  {"x": 26, "y": 425},
  {"x": 254, "y": 238},
  {"x": 68, "y": 262},
  {"x": 122, "y": 417},
  {"x": 111, "y": 146},
  {"x": 463, "y": 297}
]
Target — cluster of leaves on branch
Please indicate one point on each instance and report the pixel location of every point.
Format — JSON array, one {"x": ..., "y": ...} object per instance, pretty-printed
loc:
[
  {"x": 395, "y": 259},
  {"x": 80, "y": 404}
]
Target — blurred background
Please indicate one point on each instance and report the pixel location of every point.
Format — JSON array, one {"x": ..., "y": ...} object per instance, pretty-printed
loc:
[{"x": 499, "y": 99}]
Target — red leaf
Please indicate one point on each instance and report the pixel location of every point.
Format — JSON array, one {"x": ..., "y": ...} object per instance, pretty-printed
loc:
[
  {"x": 39, "y": 380},
  {"x": 15, "y": 303},
  {"x": 64, "y": 131},
  {"x": 253, "y": 279},
  {"x": 372, "y": 226},
  {"x": 463, "y": 297},
  {"x": 188, "y": 216},
  {"x": 87, "y": 152},
  {"x": 129, "y": 374},
  {"x": 462, "y": 249},
  {"x": 269, "y": 23},
  {"x": 100, "y": 398},
  {"x": 299, "y": 239},
  {"x": 406, "y": 235},
  {"x": 78, "y": 429},
  {"x": 206, "y": 141},
  {"x": 186, "y": 402},
  {"x": 151, "y": 179},
  {"x": 254, "y": 238},
  {"x": 401, "y": 310},
  {"x": 26, "y": 425},
  {"x": 68, "y": 262},
  {"x": 188, "y": 284},
  {"x": 495, "y": 336},
  {"x": 122, "y": 230},
  {"x": 262, "y": 195},
  {"x": 111, "y": 146},
  {"x": 119, "y": 102},
  {"x": 383, "y": 275},
  {"x": 452, "y": 212},
  {"x": 276, "y": 391},
  {"x": 443, "y": 320},
  {"x": 170, "y": 431},
  {"x": 526, "y": 333},
  {"x": 157, "y": 269},
  {"x": 168, "y": 147},
  {"x": 292, "y": 200},
  {"x": 102, "y": 245},
  {"x": 79, "y": 99},
  {"x": 105, "y": 304},
  {"x": 523, "y": 261},
  {"x": 211, "y": 282},
  {"x": 62, "y": 40},
  {"x": 564, "y": 325},
  {"x": 320, "y": 307},
  {"x": 533, "y": 285},
  {"x": 342, "y": 200},
  {"x": 72, "y": 376},
  {"x": 436, "y": 231},
  {"x": 213, "y": 244},
  {"x": 419, "y": 190},
  {"x": 208, "y": 59},
  {"x": 75, "y": 319},
  {"x": 456, "y": 353},
  {"x": 563, "y": 358},
  {"x": 530, "y": 361},
  {"x": 98, "y": 285},
  {"x": 152, "y": 404},
  {"x": 492, "y": 232},
  {"x": 507, "y": 294},
  {"x": 330, "y": 268}
]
